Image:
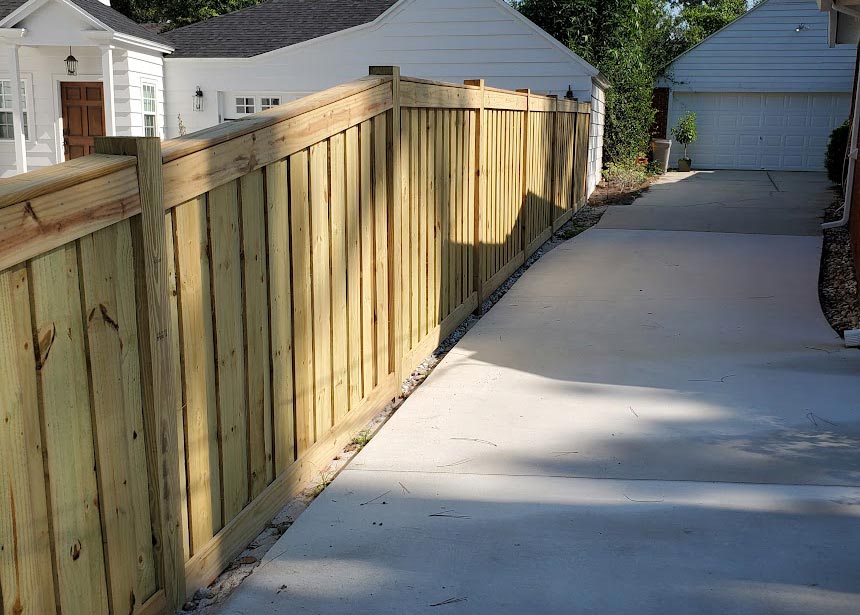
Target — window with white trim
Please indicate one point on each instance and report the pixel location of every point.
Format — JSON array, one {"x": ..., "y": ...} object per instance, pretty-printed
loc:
[
  {"x": 150, "y": 106},
  {"x": 245, "y": 105},
  {"x": 7, "y": 130},
  {"x": 267, "y": 102}
]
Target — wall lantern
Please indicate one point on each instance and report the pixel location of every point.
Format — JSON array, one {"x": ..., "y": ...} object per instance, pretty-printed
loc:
[
  {"x": 198, "y": 99},
  {"x": 71, "y": 64},
  {"x": 801, "y": 27},
  {"x": 569, "y": 94}
]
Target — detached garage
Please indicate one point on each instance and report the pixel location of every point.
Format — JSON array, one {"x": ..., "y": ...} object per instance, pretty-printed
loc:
[{"x": 767, "y": 90}]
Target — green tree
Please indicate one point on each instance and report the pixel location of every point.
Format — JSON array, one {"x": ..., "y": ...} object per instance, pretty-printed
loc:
[
  {"x": 177, "y": 13},
  {"x": 631, "y": 42},
  {"x": 698, "y": 19}
]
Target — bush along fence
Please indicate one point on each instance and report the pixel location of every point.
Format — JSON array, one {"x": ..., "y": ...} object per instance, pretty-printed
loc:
[{"x": 192, "y": 329}]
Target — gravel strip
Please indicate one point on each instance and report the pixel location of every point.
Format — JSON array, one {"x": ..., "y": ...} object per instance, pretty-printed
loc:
[{"x": 837, "y": 284}]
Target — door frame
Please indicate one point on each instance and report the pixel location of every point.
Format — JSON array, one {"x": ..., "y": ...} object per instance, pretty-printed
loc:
[{"x": 57, "y": 79}]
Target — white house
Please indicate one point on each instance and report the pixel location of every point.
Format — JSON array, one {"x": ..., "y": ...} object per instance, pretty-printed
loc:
[
  {"x": 767, "y": 89},
  {"x": 284, "y": 49},
  {"x": 132, "y": 81},
  {"x": 115, "y": 88}
]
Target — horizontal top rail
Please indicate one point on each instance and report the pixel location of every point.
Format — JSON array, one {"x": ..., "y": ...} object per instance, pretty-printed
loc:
[
  {"x": 58, "y": 177},
  {"x": 209, "y": 137},
  {"x": 418, "y": 92}
]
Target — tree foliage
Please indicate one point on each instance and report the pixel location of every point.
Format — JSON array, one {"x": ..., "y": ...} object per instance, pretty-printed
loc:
[
  {"x": 698, "y": 19},
  {"x": 177, "y": 13},
  {"x": 631, "y": 42}
]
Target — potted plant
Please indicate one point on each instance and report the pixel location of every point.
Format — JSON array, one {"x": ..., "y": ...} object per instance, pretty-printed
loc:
[{"x": 685, "y": 133}]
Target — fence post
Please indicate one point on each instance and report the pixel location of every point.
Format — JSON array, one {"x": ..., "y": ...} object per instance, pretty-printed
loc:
[
  {"x": 395, "y": 288},
  {"x": 156, "y": 358},
  {"x": 524, "y": 207},
  {"x": 480, "y": 196}
]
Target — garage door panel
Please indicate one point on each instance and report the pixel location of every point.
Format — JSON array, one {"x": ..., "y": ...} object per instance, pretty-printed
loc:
[{"x": 761, "y": 131}]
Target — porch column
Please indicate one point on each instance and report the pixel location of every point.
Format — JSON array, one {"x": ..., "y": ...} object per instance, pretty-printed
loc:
[
  {"x": 17, "y": 111},
  {"x": 107, "y": 75}
]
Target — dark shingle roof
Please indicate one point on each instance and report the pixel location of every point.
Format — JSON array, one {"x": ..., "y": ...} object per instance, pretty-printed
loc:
[
  {"x": 271, "y": 25},
  {"x": 111, "y": 18}
]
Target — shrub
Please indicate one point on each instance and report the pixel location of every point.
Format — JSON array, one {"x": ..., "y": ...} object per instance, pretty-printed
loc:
[
  {"x": 685, "y": 131},
  {"x": 625, "y": 175},
  {"x": 654, "y": 167},
  {"x": 834, "y": 159}
]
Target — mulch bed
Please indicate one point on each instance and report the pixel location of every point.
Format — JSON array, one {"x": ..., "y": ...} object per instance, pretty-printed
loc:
[
  {"x": 837, "y": 283},
  {"x": 614, "y": 194}
]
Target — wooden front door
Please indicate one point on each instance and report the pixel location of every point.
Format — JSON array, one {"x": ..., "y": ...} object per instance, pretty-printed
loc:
[{"x": 83, "y": 108}]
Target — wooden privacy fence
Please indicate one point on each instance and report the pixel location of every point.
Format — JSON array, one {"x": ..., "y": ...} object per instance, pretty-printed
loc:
[{"x": 191, "y": 330}]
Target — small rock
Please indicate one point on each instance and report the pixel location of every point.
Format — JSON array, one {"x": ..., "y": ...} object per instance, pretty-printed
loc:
[
  {"x": 204, "y": 593},
  {"x": 248, "y": 559}
]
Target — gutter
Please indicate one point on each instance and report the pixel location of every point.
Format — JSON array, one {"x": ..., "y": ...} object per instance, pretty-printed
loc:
[{"x": 852, "y": 165}]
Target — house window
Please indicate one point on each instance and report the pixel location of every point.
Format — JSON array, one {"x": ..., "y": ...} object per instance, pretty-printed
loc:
[
  {"x": 7, "y": 130},
  {"x": 267, "y": 102},
  {"x": 149, "y": 110},
  {"x": 245, "y": 105}
]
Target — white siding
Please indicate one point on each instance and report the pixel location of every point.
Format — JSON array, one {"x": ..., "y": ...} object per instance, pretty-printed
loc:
[
  {"x": 43, "y": 68},
  {"x": 763, "y": 52},
  {"x": 132, "y": 70},
  {"x": 595, "y": 137},
  {"x": 446, "y": 40}
]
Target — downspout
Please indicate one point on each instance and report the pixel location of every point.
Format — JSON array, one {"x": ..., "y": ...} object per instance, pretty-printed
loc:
[
  {"x": 852, "y": 153},
  {"x": 849, "y": 186}
]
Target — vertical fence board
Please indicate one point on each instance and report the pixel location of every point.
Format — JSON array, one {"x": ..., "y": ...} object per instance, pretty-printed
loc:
[
  {"x": 26, "y": 574},
  {"x": 422, "y": 222},
  {"x": 68, "y": 433},
  {"x": 281, "y": 315},
  {"x": 368, "y": 341},
  {"x": 339, "y": 312},
  {"x": 432, "y": 294},
  {"x": 229, "y": 346},
  {"x": 256, "y": 302},
  {"x": 108, "y": 274},
  {"x": 198, "y": 371},
  {"x": 353, "y": 265},
  {"x": 321, "y": 287},
  {"x": 415, "y": 139},
  {"x": 179, "y": 410},
  {"x": 302, "y": 300},
  {"x": 380, "y": 206},
  {"x": 440, "y": 241}
]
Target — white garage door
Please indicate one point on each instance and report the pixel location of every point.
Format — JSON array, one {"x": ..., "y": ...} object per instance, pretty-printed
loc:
[{"x": 770, "y": 131}]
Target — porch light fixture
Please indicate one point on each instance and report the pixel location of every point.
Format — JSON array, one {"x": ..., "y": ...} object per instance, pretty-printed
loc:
[
  {"x": 800, "y": 27},
  {"x": 71, "y": 64},
  {"x": 569, "y": 94},
  {"x": 198, "y": 99}
]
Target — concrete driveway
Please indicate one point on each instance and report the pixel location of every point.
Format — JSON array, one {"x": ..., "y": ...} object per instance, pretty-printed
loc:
[{"x": 651, "y": 421}]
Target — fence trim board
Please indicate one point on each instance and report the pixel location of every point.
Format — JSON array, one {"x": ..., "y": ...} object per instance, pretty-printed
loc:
[
  {"x": 562, "y": 220},
  {"x": 50, "y": 220},
  {"x": 46, "y": 180},
  {"x": 431, "y": 341},
  {"x": 209, "y": 137},
  {"x": 207, "y": 168}
]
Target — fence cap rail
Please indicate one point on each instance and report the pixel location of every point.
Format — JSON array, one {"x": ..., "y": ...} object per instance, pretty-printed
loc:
[
  {"x": 206, "y": 138},
  {"x": 60, "y": 176}
]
